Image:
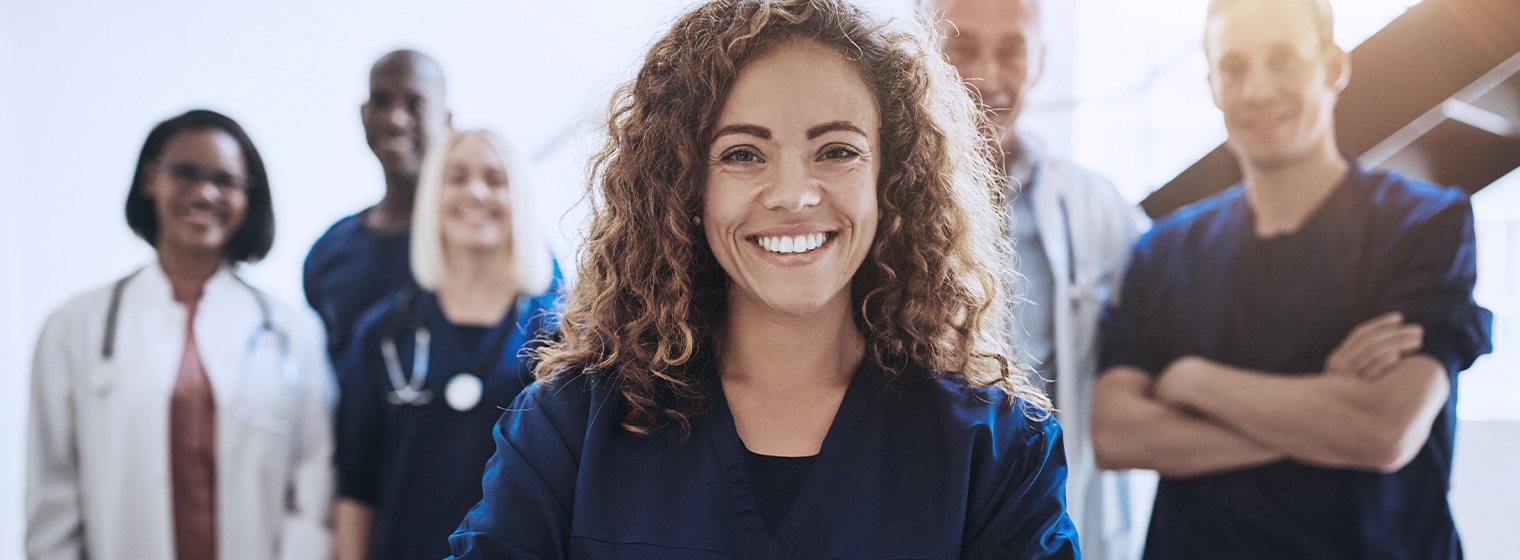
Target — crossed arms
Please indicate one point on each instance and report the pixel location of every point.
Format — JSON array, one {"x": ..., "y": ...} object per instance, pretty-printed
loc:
[{"x": 1372, "y": 409}]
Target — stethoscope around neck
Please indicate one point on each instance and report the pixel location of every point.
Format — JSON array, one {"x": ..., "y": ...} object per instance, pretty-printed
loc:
[
  {"x": 241, "y": 409},
  {"x": 1082, "y": 282},
  {"x": 465, "y": 389}
]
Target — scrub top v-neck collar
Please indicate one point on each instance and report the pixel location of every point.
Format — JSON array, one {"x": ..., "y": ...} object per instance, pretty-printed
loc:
[
  {"x": 480, "y": 359},
  {"x": 755, "y": 540},
  {"x": 1325, "y": 210}
]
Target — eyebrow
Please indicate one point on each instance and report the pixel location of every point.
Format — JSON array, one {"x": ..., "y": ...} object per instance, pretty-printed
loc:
[
  {"x": 750, "y": 129},
  {"x": 765, "y": 133},
  {"x": 826, "y": 128}
]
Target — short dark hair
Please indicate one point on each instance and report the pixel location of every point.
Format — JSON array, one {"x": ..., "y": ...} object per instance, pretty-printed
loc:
[
  {"x": 1324, "y": 18},
  {"x": 254, "y": 238}
]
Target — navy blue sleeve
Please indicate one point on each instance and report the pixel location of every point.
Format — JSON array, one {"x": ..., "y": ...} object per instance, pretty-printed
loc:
[
  {"x": 309, "y": 277},
  {"x": 1126, "y": 329},
  {"x": 1431, "y": 267},
  {"x": 360, "y": 422},
  {"x": 529, "y": 484},
  {"x": 1024, "y": 481},
  {"x": 311, "y": 273}
]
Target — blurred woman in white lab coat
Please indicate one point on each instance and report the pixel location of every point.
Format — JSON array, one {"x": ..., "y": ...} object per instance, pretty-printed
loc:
[{"x": 180, "y": 413}]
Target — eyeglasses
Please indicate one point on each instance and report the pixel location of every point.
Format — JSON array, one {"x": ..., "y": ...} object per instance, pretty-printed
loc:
[{"x": 189, "y": 174}]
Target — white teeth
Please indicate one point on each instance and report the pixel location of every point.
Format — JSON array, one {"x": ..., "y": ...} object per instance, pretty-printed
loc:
[{"x": 793, "y": 244}]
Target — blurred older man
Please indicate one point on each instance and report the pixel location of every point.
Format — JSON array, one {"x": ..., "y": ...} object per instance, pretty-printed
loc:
[{"x": 1072, "y": 232}]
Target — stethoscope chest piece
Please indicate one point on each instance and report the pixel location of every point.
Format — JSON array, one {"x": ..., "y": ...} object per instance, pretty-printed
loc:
[{"x": 463, "y": 392}]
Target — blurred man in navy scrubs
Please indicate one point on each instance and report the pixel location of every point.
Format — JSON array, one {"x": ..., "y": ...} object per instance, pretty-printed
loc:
[
  {"x": 1072, "y": 233},
  {"x": 363, "y": 257},
  {"x": 1286, "y": 352}
]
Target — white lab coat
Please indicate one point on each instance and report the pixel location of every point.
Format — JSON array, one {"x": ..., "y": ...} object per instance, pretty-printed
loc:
[
  {"x": 1087, "y": 231},
  {"x": 98, "y": 476}
]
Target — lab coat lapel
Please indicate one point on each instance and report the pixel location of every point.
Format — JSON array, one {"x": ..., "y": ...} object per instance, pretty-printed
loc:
[
  {"x": 1054, "y": 231},
  {"x": 222, "y": 327},
  {"x": 755, "y": 542},
  {"x": 125, "y": 423},
  {"x": 150, "y": 333}
]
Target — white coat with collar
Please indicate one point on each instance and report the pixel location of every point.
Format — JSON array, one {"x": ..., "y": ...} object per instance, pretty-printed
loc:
[
  {"x": 98, "y": 467},
  {"x": 1087, "y": 231}
]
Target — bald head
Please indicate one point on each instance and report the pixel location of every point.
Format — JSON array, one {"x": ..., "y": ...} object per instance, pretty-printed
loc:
[
  {"x": 409, "y": 62},
  {"x": 996, "y": 47},
  {"x": 406, "y": 110}
]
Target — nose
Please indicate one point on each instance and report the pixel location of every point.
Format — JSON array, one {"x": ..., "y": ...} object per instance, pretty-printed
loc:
[
  {"x": 989, "y": 69},
  {"x": 794, "y": 188},
  {"x": 205, "y": 191},
  {"x": 984, "y": 74},
  {"x": 1256, "y": 85},
  {"x": 397, "y": 117},
  {"x": 479, "y": 189}
]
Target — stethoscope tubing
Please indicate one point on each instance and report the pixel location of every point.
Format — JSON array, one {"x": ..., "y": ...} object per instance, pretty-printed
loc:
[
  {"x": 240, "y": 407},
  {"x": 407, "y": 389}
]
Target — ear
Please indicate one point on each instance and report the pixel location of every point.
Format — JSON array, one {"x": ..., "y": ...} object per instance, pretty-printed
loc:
[
  {"x": 1039, "y": 62},
  {"x": 1337, "y": 69},
  {"x": 1214, "y": 86}
]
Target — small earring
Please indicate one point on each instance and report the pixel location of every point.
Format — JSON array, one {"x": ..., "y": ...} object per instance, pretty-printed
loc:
[{"x": 696, "y": 220}]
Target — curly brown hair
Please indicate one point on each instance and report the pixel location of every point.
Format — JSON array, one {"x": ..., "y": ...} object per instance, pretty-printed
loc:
[{"x": 651, "y": 293}]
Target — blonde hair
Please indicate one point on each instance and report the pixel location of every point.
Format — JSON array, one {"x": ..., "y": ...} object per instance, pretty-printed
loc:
[
  {"x": 651, "y": 294},
  {"x": 532, "y": 266}
]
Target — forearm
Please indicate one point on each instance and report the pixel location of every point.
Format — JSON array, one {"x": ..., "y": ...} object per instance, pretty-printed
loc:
[
  {"x": 352, "y": 522},
  {"x": 1133, "y": 430},
  {"x": 1329, "y": 420}
]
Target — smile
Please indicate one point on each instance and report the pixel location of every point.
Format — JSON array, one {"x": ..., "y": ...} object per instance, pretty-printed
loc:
[
  {"x": 199, "y": 216},
  {"x": 792, "y": 244}
]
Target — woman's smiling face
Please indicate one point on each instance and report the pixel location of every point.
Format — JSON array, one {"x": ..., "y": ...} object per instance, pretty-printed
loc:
[
  {"x": 790, "y": 208},
  {"x": 475, "y": 199},
  {"x": 199, "y": 191}
]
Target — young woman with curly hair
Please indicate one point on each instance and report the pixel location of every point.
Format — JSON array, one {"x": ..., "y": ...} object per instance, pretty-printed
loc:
[{"x": 784, "y": 342}]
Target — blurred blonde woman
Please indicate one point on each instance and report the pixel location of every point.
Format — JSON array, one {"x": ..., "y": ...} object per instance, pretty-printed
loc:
[
  {"x": 432, "y": 366},
  {"x": 784, "y": 342}
]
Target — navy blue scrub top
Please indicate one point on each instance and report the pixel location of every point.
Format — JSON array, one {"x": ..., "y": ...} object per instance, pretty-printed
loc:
[
  {"x": 1202, "y": 283},
  {"x": 349, "y": 269},
  {"x": 925, "y": 468},
  {"x": 420, "y": 466}
]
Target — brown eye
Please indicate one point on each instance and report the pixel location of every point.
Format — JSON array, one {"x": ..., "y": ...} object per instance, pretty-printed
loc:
[
  {"x": 840, "y": 152},
  {"x": 959, "y": 52},
  {"x": 1012, "y": 51},
  {"x": 741, "y": 155},
  {"x": 496, "y": 179},
  {"x": 1231, "y": 69}
]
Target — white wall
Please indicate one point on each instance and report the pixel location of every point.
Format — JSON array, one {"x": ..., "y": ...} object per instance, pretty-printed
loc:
[
  {"x": 14, "y": 356},
  {"x": 1484, "y": 489}
]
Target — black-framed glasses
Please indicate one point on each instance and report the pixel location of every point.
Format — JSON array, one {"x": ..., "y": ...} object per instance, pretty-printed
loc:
[{"x": 188, "y": 174}]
